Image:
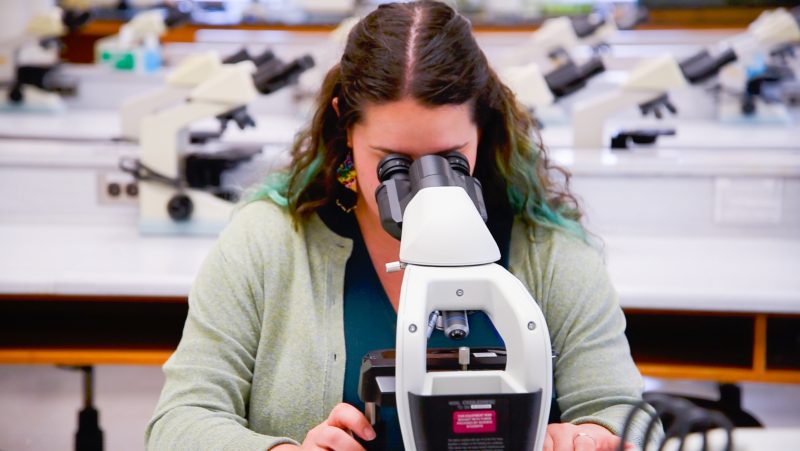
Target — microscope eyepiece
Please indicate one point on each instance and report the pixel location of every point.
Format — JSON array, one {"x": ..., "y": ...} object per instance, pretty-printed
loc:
[
  {"x": 401, "y": 178},
  {"x": 393, "y": 164},
  {"x": 458, "y": 162}
]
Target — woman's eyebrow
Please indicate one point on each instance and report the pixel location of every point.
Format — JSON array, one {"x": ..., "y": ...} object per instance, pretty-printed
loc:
[{"x": 449, "y": 149}]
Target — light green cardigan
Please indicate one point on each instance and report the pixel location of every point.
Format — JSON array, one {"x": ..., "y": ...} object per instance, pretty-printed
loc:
[{"x": 262, "y": 356}]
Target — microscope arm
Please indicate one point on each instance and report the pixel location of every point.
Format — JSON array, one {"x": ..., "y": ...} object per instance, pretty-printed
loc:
[
  {"x": 192, "y": 70},
  {"x": 133, "y": 111},
  {"x": 165, "y": 207},
  {"x": 646, "y": 86}
]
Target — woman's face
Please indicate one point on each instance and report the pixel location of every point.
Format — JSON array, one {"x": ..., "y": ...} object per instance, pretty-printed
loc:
[{"x": 409, "y": 128}]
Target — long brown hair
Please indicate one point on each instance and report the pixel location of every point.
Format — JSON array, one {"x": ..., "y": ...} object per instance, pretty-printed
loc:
[{"x": 425, "y": 51}]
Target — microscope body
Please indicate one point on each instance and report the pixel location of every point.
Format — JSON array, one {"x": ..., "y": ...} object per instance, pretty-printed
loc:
[
  {"x": 546, "y": 69},
  {"x": 448, "y": 256},
  {"x": 765, "y": 64},
  {"x": 491, "y": 409},
  {"x": 167, "y": 203},
  {"x": 190, "y": 73},
  {"x": 181, "y": 173},
  {"x": 29, "y": 56},
  {"x": 647, "y": 86}
]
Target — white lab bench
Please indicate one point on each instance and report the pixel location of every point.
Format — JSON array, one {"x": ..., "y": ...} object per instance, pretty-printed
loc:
[{"x": 109, "y": 272}]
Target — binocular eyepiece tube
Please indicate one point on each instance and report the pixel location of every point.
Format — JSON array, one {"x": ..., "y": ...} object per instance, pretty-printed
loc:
[{"x": 401, "y": 178}]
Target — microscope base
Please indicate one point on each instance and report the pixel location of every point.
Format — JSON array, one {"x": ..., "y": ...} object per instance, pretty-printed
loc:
[
  {"x": 36, "y": 101},
  {"x": 730, "y": 111},
  {"x": 487, "y": 421},
  {"x": 193, "y": 227},
  {"x": 164, "y": 210}
]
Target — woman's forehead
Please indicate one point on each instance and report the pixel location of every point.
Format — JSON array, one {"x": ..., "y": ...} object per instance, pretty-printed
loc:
[{"x": 407, "y": 125}]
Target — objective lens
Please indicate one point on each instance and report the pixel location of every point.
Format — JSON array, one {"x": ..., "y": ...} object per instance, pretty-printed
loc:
[{"x": 456, "y": 325}]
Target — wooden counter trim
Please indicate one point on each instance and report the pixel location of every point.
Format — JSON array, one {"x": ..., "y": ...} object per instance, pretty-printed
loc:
[
  {"x": 79, "y": 357},
  {"x": 701, "y": 18},
  {"x": 717, "y": 373},
  {"x": 760, "y": 344}
]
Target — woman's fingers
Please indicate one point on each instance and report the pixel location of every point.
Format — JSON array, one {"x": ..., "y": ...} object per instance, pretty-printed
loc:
[
  {"x": 582, "y": 437},
  {"x": 345, "y": 416}
]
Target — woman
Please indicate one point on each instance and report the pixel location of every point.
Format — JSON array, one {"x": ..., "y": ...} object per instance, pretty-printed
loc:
[{"x": 294, "y": 293}]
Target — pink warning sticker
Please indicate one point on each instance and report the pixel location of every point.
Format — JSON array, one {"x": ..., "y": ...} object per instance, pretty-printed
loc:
[{"x": 474, "y": 421}]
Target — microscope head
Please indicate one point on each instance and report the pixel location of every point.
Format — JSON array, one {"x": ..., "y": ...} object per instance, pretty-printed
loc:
[
  {"x": 436, "y": 209},
  {"x": 702, "y": 65},
  {"x": 528, "y": 84},
  {"x": 47, "y": 24},
  {"x": 771, "y": 29},
  {"x": 594, "y": 30},
  {"x": 554, "y": 35},
  {"x": 275, "y": 74},
  {"x": 570, "y": 77},
  {"x": 657, "y": 75},
  {"x": 231, "y": 85},
  {"x": 142, "y": 26},
  {"x": 76, "y": 13},
  {"x": 775, "y": 27},
  {"x": 243, "y": 55},
  {"x": 194, "y": 69},
  {"x": 176, "y": 16}
]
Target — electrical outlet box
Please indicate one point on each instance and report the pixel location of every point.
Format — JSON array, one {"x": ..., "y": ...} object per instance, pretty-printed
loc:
[{"x": 117, "y": 188}]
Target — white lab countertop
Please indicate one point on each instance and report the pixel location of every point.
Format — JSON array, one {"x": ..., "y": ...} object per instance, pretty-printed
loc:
[
  {"x": 97, "y": 261},
  {"x": 709, "y": 274},
  {"x": 697, "y": 134}
]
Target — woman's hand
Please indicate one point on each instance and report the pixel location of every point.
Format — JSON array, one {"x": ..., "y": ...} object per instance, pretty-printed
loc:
[
  {"x": 336, "y": 432},
  {"x": 581, "y": 437}
]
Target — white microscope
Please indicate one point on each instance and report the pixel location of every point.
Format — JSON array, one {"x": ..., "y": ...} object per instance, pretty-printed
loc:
[
  {"x": 181, "y": 176},
  {"x": 744, "y": 86},
  {"x": 190, "y": 72},
  {"x": 555, "y": 44},
  {"x": 544, "y": 69},
  {"x": 647, "y": 87},
  {"x": 29, "y": 56},
  {"x": 167, "y": 200},
  {"x": 756, "y": 74},
  {"x": 136, "y": 47},
  {"x": 447, "y": 254}
]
